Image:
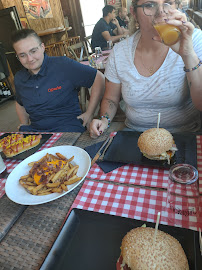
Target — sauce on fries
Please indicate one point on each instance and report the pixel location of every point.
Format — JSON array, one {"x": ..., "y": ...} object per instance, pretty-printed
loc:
[{"x": 52, "y": 173}]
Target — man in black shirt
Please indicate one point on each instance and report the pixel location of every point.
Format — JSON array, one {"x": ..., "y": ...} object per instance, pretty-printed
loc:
[
  {"x": 107, "y": 28},
  {"x": 123, "y": 17}
]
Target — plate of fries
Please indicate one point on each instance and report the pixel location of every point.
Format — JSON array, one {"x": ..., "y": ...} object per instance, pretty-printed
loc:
[{"x": 47, "y": 175}]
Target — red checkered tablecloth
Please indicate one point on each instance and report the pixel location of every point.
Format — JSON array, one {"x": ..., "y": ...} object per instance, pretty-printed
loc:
[
  {"x": 12, "y": 163},
  {"x": 139, "y": 175},
  {"x": 130, "y": 202}
]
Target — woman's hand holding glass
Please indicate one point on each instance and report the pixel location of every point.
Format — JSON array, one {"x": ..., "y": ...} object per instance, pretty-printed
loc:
[
  {"x": 184, "y": 46},
  {"x": 178, "y": 21}
]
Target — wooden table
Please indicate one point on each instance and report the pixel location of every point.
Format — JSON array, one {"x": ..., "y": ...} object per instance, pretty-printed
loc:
[{"x": 30, "y": 231}]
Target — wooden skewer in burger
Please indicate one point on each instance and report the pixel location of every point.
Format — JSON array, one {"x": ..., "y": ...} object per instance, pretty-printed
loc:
[
  {"x": 145, "y": 248},
  {"x": 157, "y": 143}
]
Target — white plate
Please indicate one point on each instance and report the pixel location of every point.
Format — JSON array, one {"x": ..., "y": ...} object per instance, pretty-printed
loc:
[{"x": 18, "y": 194}]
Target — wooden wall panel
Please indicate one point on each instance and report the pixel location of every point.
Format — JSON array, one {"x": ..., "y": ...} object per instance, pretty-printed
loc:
[
  {"x": 72, "y": 10},
  {"x": 71, "y": 18},
  {"x": 42, "y": 25}
]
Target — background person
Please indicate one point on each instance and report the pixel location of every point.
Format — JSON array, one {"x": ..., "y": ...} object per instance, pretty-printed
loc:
[
  {"x": 152, "y": 77},
  {"x": 107, "y": 28},
  {"x": 46, "y": 88},
  {"x": 123, "y": 18}
]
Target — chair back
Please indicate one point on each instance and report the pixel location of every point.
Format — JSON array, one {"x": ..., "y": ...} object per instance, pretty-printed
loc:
[
  {"x": 57, "y": 49},
  {"x": 88, "y": 42},
  {"x": 60, "y": 48},
  {"x": 79, "y": 51}
]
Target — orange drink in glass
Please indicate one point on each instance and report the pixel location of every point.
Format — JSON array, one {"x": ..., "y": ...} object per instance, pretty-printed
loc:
[{"x": 169, "y": 34}]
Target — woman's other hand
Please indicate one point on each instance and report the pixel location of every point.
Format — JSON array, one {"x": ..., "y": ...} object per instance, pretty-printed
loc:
[{"x": 97, "y": 127}]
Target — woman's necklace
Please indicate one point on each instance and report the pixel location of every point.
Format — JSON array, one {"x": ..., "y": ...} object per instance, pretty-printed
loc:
[{"x": 150, "y": 69}]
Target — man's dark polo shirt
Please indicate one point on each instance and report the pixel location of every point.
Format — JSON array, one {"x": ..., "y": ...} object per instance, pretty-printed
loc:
[
  {"x": 51, "y": 97},
  {"x": 121, "y": 22},
  {"x": 100, "y": 27}
]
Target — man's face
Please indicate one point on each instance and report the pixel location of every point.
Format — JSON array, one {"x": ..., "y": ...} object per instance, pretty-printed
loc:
[
  {"x": 30, "y": 53},
  {"x": 123, "y": 13},
  {"x": 112, "y": 14}
]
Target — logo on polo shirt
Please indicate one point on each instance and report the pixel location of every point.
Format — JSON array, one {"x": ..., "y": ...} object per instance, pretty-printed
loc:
[{"x": 54, "y": 89}]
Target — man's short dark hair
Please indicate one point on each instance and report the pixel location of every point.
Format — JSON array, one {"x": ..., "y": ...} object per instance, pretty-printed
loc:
[
  {"x": 107, "y": 9},
  {"x": 23, "y": 33}
]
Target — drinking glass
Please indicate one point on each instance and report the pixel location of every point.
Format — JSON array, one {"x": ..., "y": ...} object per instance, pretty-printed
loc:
[
  {"x": 98, "y": 52},
  {"x": 168, "y": 33},
  {"x": 109, "y": 45},
  {"x": 183, "y": 197}
]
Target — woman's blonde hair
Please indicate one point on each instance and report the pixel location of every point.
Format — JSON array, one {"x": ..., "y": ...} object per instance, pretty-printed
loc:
[{"x": 133, "y": 25}]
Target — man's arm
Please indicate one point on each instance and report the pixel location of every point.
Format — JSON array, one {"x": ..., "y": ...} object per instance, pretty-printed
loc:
[
  {"x": 106, "y": 35},
  {"x": 118, "y": 30},
  {"x": 22, "y": 114},
  {"x": 97, "y": 91}
]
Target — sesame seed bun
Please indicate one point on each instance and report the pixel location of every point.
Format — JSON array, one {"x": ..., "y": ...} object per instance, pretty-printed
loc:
[
  {"x": 139, "y": 252},
  {"x": 154, "y": 142}
]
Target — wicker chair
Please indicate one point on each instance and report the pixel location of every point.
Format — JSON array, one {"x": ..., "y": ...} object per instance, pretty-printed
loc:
[
  {"x": 88, "y": 42},
  {"x": 79, "y": 51}
]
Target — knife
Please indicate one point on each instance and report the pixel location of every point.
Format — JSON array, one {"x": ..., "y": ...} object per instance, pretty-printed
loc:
[{"x": 99, "y": 152}]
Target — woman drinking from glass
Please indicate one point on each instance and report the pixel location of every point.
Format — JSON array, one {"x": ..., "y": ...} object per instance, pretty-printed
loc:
[{"x": 155, "y": 75}]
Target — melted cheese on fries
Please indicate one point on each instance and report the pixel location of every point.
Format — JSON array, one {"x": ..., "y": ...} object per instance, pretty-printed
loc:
[{"x": 59, "y": 164}]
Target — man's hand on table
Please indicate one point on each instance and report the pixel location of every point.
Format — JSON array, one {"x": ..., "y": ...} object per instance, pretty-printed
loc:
[{"x": 86, "y": 118}]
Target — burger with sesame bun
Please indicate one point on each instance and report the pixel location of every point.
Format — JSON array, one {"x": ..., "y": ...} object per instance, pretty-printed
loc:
[
  {"x": 140, "y": 252},
  {"x": 157, "y": 144}
]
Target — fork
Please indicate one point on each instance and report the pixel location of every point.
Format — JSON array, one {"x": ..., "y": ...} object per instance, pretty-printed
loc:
[{"x": 106, "y": 147}]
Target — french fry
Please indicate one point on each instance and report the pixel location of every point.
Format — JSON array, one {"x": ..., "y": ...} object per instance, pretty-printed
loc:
[
  {"x": 58, "y": 190},
  {"x": 72, "y": 181},
  {"x": 53, "y": 179},
  {"x": 31, "y": 164},
  {"x": 30, "y": 179},
  {"x": 44, "y": 193},
  {"x": 70, "y": 159},
  {"x": 53, "y": 184},
  {"x": 37, "y": 188},
  {"x": 58, "y": 175},
  {"x": 30, "y": 184},
  {"x": 24, "y": 176},
  {"x": 76, "y": 169},
  {"x": 64, "y": 187},
  {"x": 53, "y": 157},
  {"x": 61, "y": 156},
  {"x": 72, "y": 170}
]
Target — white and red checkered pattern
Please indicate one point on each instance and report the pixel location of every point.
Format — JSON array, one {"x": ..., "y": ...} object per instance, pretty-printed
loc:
[
  {"x": 130, "y": 202},
  {"x": 140, "y": 175},
  {"x": 12, "y": 163}
]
